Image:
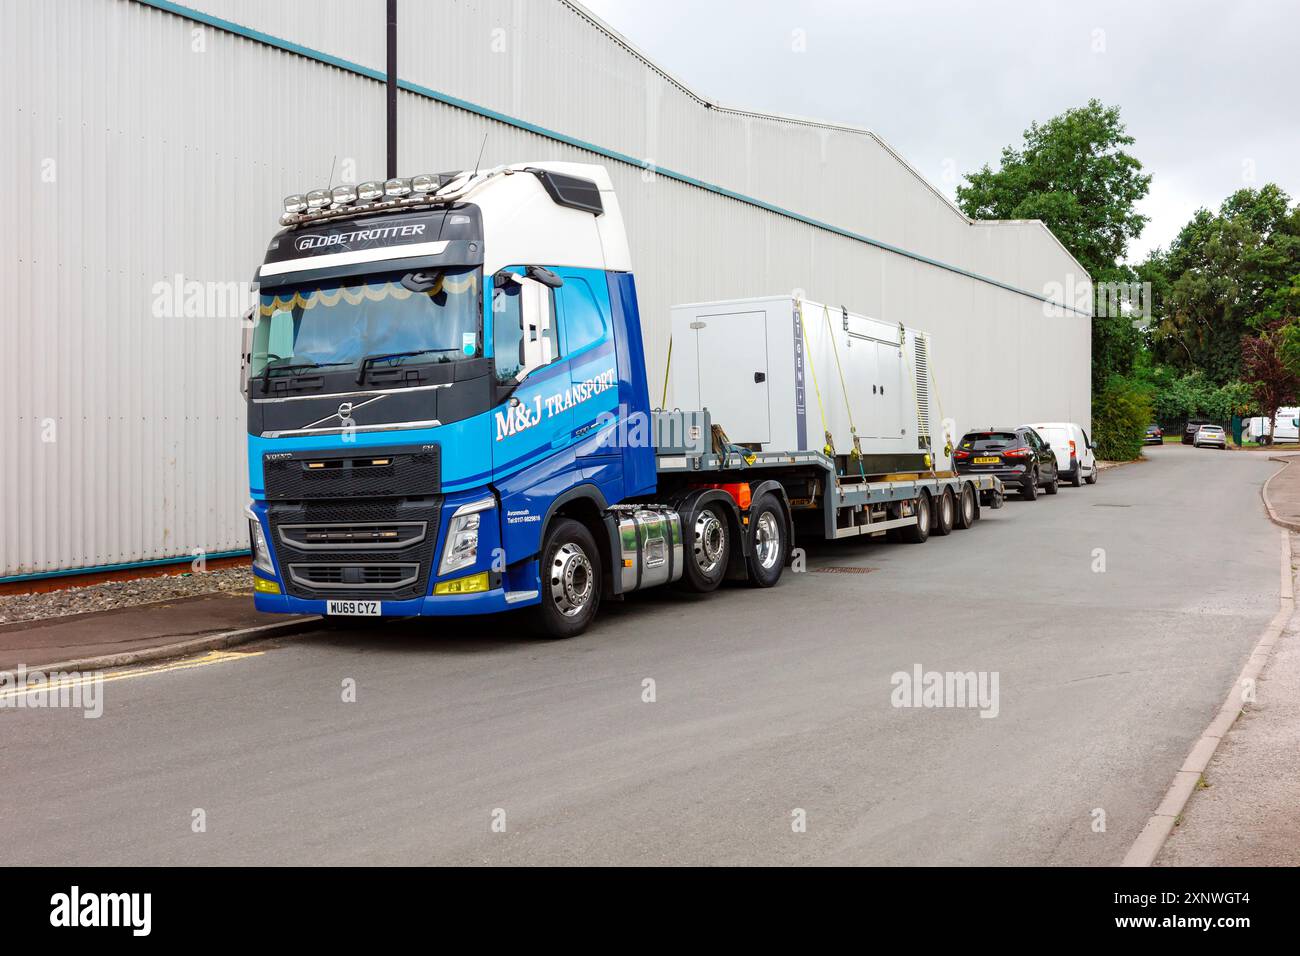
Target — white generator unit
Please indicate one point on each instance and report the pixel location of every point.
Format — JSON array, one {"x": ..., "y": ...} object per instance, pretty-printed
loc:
[{"x": 759, "y": 365}]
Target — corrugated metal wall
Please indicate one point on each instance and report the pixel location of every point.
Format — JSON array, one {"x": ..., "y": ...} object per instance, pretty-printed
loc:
[{"x": 146, "y": 145}]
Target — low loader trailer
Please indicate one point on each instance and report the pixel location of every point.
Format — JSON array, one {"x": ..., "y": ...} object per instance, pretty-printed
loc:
[{"x": 449, "y": 413}]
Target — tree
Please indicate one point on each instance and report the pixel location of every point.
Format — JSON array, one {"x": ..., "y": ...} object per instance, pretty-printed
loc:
[
  {"x": 1074, "y": 174},
  {"x": 1225, "y": 276},
  {"x": 1264, "y": 361}
]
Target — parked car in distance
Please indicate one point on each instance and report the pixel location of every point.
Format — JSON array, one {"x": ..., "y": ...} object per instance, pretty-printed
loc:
[
  {"x": 1018, "y": 456},
  {"x": 1190, "y": 429},
  {"x": 1075, "y": 460},
  {"x": 1210, "y": 435},
  {"x": 1155, "y": 435}
]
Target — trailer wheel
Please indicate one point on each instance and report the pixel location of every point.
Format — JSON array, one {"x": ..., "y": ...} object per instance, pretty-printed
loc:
[
  {"x": 767, "y": 540},
  {"x": 707, "y": 546},
  {"x": 919, "y": 532},
  {"x": 966, "y": 508},
  {"x": 944, "y": 513},
  {"x": 571, "y": 576}
]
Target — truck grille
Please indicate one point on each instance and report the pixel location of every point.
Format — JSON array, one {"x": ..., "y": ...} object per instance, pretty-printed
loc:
[
  {"x": 381, "y": 548},
  {"x": 354, "y": 577},
  {"x": 375, "y": 473},
  {"x": 352, "y": 536}
]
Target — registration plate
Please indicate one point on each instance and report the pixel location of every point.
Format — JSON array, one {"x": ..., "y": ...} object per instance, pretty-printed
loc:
[
  {"x": 987, "y": 461},
  {"x": 353, "y": 608}
]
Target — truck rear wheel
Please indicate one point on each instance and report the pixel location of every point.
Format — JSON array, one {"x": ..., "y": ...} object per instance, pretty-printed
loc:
[
  {"x": 571, "y": 576},
  {"x": 945, "y": 513},
  {"x": 707, "y": 547},
  {"x": 919, "y": 533},
  {"x": 767, "y": 541}
]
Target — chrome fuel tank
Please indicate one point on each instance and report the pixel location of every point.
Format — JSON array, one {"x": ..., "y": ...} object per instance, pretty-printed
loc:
[{"x": 651, "y": 545}]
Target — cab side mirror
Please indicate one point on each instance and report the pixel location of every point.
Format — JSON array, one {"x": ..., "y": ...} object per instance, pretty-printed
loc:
[{"x": 245, "y": 350}]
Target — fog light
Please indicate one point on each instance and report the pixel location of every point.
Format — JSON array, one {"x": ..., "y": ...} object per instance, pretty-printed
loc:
[
  {"x": 263, "y": 586},
  {"x": 295, "y": 203},
  {"x": 343, "y": 194},
  {"x": 318, "y": 199},
  {"x": 424, "y": 183},
  {"x": 397, "y": 188},
  {"x": 465, "y": 585},
  {"x": 370, "y": 191}
]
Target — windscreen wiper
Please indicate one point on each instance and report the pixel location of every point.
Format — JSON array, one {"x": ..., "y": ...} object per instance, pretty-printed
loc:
[
  {"x": 295, "y": 370},
  {"x": 384, "y": 356}
]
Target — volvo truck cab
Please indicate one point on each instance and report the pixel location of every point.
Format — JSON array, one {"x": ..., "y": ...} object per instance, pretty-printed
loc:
[{"x": 430, "y": 373}]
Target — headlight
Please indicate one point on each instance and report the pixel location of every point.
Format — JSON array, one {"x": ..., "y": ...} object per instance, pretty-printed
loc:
[
  {"x": 461, "y": 547},
  {"x": 257, "y": 543}
]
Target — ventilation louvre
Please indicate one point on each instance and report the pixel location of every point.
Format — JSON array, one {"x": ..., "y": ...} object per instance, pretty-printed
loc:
[{"x": 922, "y": 347}]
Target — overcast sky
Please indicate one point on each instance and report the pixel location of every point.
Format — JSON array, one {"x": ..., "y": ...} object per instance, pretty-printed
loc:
[{"x": 1210, "y": 91}]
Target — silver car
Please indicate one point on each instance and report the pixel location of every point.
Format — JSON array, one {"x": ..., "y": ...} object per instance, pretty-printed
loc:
[{"x": 1210, "y": 435}]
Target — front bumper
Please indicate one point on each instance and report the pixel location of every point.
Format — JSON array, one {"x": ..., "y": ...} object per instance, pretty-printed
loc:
[{"x": 442, "y": 605}]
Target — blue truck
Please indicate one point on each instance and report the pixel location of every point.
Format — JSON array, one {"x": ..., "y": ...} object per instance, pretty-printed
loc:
[{"x": 448, "y": 414}]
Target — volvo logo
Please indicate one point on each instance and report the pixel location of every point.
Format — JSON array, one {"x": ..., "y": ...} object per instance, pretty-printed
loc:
[{"x": 345, "y": 411}]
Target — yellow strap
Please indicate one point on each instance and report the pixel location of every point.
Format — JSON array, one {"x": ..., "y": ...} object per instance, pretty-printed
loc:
[
  {"x": 938, "y": 397},
  {"x": 663, "y": 402},
  {"x": 829, "y": 449},
  {"x": 836, "y": 350},
  {"x": 853, "y": 429}
]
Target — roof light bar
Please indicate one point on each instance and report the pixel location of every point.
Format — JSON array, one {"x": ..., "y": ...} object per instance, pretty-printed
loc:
[{"x": 376, "y": 195}]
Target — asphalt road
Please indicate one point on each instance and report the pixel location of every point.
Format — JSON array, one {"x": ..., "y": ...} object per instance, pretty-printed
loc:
[{"x": 766, "y": 702}]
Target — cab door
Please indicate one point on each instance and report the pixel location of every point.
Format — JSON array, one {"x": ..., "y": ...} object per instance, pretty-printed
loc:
[
  {"x": 599, "y": 428},
  {"x": 534, "y": 421}
]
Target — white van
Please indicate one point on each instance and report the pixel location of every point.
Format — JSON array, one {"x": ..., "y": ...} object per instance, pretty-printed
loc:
[
  {"x": 1074, "y": 454},
  {"x": 1286, "y": 428}
]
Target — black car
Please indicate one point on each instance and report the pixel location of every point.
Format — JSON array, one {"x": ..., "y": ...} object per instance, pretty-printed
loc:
[
  {"x": 1155, "y": 435},
  {"x": 1018, "y": 456},
  {"x": 1192, "y": 427}
]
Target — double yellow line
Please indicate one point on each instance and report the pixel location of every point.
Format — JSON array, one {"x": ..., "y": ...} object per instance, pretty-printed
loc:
[{"x": 203, "y": 660}]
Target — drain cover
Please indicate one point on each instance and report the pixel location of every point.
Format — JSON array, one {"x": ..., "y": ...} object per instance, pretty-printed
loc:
[{"x": 843, "y": 569}]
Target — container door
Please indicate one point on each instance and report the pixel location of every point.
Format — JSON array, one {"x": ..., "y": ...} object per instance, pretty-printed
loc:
[
  {"x": 731, "y": 359},
  {"x": 894, "y": 402}
]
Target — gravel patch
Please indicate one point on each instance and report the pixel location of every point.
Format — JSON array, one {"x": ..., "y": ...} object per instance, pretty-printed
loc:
[{"x": 115, "y": 594}]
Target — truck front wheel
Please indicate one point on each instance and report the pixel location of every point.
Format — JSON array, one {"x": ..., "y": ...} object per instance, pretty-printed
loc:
[{"x": 571, "y": 576}]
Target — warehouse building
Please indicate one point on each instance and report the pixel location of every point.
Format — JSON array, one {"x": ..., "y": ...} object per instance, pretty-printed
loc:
[{"x": 152, "y": 143}]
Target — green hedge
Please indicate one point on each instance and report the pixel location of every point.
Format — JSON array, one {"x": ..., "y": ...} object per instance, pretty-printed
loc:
[{"x": 1120, "y": 416}]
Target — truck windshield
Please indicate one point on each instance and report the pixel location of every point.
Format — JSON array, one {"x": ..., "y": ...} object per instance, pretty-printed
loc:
[{"x": 339, "y": 323}]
